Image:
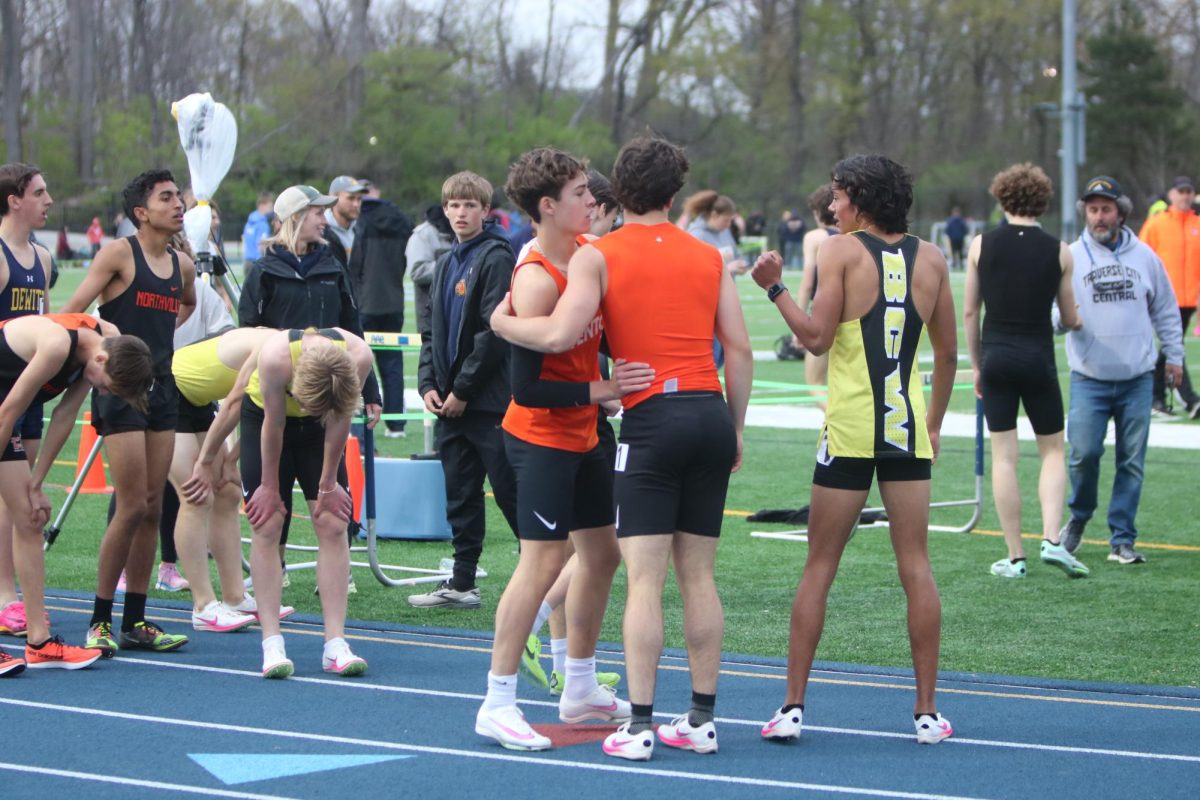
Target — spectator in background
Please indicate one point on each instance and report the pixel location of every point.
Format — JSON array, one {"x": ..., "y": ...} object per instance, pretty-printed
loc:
[
  {"x": 62, "y": 250},
  {"x": 791, "y": 232},
  {"x": 712, "y": 217},
  {"x": 756, "y": 224},
  {"x": 95, "y": 235},
  {"x": 340, "y": 219},
  {"x": 1017, "y": 272},
  {"x": 1174, "y": 235},
  {"x": 258, "y": 227},
  {"x": 956, "y": 233},
  {"x": 820, "y": 202},
  {"x": 376, "y": 267},
  {"x": 117, "y": 221},
  {"x": 428, "y": 241}
]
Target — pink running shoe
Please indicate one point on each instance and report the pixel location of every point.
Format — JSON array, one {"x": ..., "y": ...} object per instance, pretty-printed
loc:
[
  {"x": 169, "y": 579},
  {"x": 12, "y": 619}
]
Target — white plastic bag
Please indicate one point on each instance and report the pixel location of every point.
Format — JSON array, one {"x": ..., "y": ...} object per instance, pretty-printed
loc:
[{"x": 208, "y": 133}]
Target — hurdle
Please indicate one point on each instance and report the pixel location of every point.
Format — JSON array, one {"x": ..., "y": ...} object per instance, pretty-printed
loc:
[{"x": 974, "y": 503}]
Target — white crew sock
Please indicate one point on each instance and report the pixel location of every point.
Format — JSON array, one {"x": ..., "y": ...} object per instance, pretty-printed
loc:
[
  {"x": 501, "y": 691},
  {"x": 543, "y": 614},
  {"x": 558, "y": 649},
  {"x": 330, "y": 644},
  {"x": 273, "y": 642},
  {"x": 581, "y": 678}
]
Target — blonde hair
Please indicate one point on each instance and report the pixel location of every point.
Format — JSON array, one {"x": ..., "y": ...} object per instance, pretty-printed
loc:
[
  {"x": 289, "y": 232},
  {"x": 325, "y": 383},
  {"x": 467, "y": 186}
]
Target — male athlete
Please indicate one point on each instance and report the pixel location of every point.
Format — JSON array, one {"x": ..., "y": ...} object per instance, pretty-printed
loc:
[
  {"x": 297, "y": 397},
  {"x": 141, "y": 284},
  {"x": 24, "y": 273},
  {"x": 880, "y": 287},
  {"x": 42, "y": 357}
]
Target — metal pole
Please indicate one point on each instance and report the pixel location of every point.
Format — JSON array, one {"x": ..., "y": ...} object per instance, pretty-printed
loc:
[{"x": 1071, "y": 111}]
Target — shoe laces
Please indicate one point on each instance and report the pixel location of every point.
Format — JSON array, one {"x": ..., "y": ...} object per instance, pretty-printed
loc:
[
  {"x": 102, "y": 629},
  {"x": 149, "y": 627}
]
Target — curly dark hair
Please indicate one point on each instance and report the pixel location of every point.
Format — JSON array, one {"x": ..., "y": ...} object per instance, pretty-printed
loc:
[
  {"x": 137, "y": 193},
  {"x": 14, "y": 180},
  {"x": 648, "y": 173},
  {"x": 542, "y": 172},
  {"x": 881, "y": 189},
  {"x": 819, "y": 203},
  {"x": 601, "y": 189},
  {"x": 1023, "y": 190}
]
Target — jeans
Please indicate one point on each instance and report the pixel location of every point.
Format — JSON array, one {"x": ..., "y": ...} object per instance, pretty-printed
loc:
[
  {"x": 1093, "y": 404},
  {"x": 391, "y": 366}
]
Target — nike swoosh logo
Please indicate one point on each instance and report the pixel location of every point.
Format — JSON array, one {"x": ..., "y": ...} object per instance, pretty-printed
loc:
[{"x": 549, "y": 525}]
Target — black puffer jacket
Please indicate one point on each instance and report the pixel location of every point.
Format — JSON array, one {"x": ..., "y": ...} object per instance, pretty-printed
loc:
[
  {"x": 377, "y": 261},
  {"x": 276, "y": 295}
]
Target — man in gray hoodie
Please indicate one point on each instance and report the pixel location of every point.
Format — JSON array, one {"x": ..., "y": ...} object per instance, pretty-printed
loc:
[{"x": 1125, "y": 299}]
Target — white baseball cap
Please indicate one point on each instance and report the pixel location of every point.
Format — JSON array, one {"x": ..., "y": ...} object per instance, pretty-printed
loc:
[{"x": 295, "y": 199}]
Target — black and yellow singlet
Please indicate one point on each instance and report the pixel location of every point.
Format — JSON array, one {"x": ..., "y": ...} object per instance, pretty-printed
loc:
[
  {"x": 876, "y": 404},
  {"x": 295, "y": 343}
]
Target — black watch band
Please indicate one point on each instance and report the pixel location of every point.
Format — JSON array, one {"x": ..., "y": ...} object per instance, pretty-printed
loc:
[{"x": 775, "y": 291}]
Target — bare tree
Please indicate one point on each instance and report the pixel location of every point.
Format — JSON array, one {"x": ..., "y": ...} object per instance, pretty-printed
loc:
[
  {"x": 11, "y": 18},
  {"x": 81, "y": 22}
]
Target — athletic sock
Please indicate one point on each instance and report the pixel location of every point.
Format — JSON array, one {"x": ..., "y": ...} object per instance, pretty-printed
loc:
[
  {"x": 101, "y": 611},
  {"x": 272, "y": 642},
  {"x": 558, "y": 649},
  {"x": 792, "y": 707},
  {"x": 641, "y": 718},
  {"x": 543, "y": 614},
  {"x": 38, "y": 646},
  {"x": 135, "y": 610},
  {"x": 501, "y": 691},
  {"x": 1017, "y": 560},
  {"x": 581, "y": 678},
  {"x": 327, "y": 653},
  {"x": 702, "y": 709}
]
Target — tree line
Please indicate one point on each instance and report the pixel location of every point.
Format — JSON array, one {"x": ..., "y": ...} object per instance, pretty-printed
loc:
[{"x": 765, "y": 94}]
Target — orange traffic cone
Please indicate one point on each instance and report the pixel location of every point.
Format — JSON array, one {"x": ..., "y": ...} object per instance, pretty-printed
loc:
[
  {"x": 94, "y": 482},
  {"x": 354, "y": 472}
]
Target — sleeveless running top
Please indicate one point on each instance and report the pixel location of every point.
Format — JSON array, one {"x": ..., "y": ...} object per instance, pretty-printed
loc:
[
  {"x": 1019, "y": 276},
  {"x": 148, "y": 307},
  {"x": 570, "y": 428},
  {"x": 200, "y": 375},
  {"x": 12, "y": 365},
  {"x": 295, "y": 345},
  {"x": 25, "y": 293},
  {"x": 876, "y": 405},
  {"x": 661, "y": 305}
]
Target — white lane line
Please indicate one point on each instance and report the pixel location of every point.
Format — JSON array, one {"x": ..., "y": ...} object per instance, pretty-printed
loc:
[
  {"x": 156, "y": 785},
  {"x": 486, "y": 756},
  {"x": 342, "y": 683}
]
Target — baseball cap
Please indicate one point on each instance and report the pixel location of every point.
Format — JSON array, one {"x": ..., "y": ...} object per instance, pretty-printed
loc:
[
  {"x": 344, "y": 183},
  {"x": 297, "y": 198},
  {"x": 1183, "y": 182},
  {"x": 1102, "y": 186}
]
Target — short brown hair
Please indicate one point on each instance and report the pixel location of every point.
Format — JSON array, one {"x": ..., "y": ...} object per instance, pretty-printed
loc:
[
  {"x": 14, "y": 180},
  {"x": 706, "y": 202},
  {"x": 542, "y": 172},
  {"x": 648, "y": 173},
  {"x": 130, "y": 369},
  {"x": 819, "y": 202},
  {"x": 1023, "y": 190},
  {"x": 467, "y": 186},
  {"x": 325, "y": 383}
]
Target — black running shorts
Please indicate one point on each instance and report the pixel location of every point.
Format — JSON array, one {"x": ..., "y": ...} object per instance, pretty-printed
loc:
[
  {"x": 30, "y": 423},
  {"x": 559, "y": 491},
  {"x": 300, "y": 458},
  {"x": 194, "y": 419},
  {"x": 854, "y": 474},
  {"x": 673, "y": 463},
  {"x": 111, "y": 414},
  {"x": 1020, "y": 371}
]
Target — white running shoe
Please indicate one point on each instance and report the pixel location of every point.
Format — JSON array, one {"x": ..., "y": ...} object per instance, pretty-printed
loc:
[
  {"x": 602, "y": 704},
  {"x": 220, "y": 618},
  {"x": 338, "y": 658},
  {"x": 632, "y": 746},
  {"x": 932, "y": 728},
  {"x": 680, "y": 733},
  {"x": 507, "y": 726},
  {"x": 1005, "y": 568},
  {"x": 784, "y": 725},
  {"x": 276, "y": 664},
  {"x": 250, "y": 606}
]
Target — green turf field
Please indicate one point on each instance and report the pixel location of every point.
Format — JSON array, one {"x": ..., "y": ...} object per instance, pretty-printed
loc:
[{"x": 1128, "y": 624}]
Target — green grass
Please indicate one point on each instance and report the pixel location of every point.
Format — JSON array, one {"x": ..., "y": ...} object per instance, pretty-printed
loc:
[{"x": 1126, "y": 624}]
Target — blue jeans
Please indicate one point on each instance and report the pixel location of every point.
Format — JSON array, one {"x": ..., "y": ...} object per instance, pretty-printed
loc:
[
  {"x": 1093, "y": 404},
  {"x": 391, "y": 366}
]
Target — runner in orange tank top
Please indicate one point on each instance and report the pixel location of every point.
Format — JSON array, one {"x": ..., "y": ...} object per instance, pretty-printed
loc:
[
  {"x": 663, "y": 295},
  {"x": 564, "y": 482}
]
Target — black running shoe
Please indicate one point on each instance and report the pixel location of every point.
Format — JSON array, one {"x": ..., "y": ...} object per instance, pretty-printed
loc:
[{"x": 1072, "y": 534}]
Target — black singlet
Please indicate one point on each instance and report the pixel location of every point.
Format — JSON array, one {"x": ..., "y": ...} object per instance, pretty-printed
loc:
[
  {"x": 25, "y": 292},
  {"x": 1019, "y": 274},
  {"x": 148, "y": 308},
  {"x": 12, "y": 365}
]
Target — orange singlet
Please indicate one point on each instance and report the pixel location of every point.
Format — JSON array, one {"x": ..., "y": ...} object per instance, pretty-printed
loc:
[
  {"x": 72, "y": 321},
  {"x": 660, "y": 307},
  {"x": 571, "y": 428}
]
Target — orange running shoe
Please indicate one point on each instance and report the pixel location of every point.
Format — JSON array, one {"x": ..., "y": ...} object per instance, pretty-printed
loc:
[
  {"x": 56, "y": 653},
  {"x": 10, "y": 666}
]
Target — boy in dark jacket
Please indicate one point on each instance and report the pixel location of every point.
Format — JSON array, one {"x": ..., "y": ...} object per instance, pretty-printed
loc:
[{"x": 463, "y": 379}]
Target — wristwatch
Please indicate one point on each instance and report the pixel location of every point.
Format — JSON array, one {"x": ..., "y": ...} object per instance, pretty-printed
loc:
[{"x": 775, "y": 291}]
